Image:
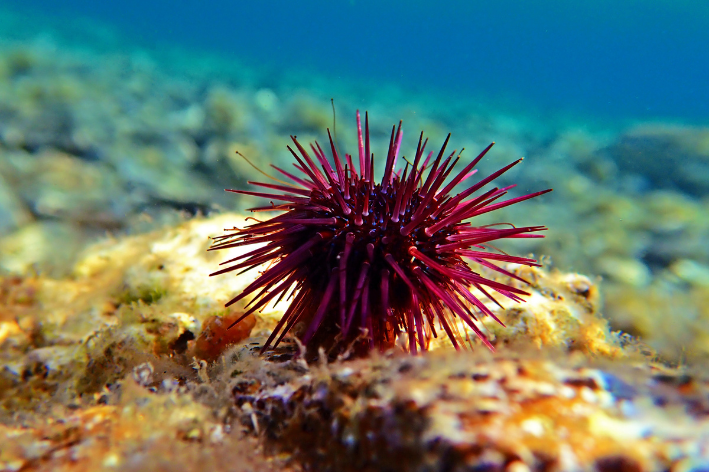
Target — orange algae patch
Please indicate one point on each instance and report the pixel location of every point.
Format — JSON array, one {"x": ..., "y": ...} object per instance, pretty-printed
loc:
[
  {"x": 142, "y": 431},
  {"x": 216, "y": 336}
]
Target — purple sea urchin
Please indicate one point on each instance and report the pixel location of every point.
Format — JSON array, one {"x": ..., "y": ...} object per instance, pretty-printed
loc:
[{"x": 385, "y": 259}]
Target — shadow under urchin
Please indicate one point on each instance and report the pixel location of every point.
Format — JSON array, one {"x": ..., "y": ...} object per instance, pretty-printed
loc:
[{"x": 363, "y": 262}]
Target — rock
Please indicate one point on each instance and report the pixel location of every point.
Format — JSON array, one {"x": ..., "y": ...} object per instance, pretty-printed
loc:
[
  {"x": 670, "y": 156},
  {"x": 59, "y": 185},
  {"x": 467, "y": 411},
  {"x": 691, "y": 272},
  {"x": 628, "y": 271},
  {"x": 224, "y": 112},
  {"x": 13, "y": 213},
  {"x": 35, "y": 247},
  {"x": 267, "y": 101},
  {"x": 117, "y": 338}
]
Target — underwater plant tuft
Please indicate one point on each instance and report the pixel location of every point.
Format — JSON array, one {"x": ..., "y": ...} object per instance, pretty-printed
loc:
[{"x": 365, "y": 262}]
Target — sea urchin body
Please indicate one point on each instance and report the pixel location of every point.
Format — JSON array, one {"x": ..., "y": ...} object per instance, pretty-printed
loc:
[{"x": 364, "y": 262}]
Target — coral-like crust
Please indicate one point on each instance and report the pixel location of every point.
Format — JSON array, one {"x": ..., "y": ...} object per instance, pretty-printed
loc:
[
  {"x": 98, "y": 372},
  {"x": 139, "y": 431},
  {"x": 468, "y": 411}
]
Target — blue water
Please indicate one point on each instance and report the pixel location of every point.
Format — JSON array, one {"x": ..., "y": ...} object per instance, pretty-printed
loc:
[{"x": 629, "y": 58}]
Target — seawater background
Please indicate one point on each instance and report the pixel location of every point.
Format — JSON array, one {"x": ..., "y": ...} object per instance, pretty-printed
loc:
[
  {"x": 115, "y": 115},
  {"x": 629, "y": 59}
]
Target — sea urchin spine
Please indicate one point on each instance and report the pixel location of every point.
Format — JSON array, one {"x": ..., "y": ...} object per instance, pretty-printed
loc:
[{"x": 365, "y": 262}]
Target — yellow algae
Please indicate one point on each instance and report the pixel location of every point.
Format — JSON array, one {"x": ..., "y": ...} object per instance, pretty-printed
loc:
[
  {"x": 8, "y": 328},
  {"x": 562, "y": 312}
]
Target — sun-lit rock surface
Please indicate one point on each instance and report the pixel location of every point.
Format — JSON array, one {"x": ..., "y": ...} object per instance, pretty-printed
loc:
[{"x": 95, "y": 361}]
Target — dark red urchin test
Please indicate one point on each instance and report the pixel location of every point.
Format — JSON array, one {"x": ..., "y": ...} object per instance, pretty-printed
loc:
[{"x": 382, "y": 258}]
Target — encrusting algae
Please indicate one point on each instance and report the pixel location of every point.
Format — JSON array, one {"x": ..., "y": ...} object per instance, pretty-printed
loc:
[
  {"x": 106, "y": 362},
  {"x": 475, "y": 411}
]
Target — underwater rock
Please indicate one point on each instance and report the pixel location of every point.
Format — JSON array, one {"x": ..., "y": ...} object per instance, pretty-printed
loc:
[
  {"x": 671, "y": 157},
  {"x": 267, "y": 100},
  {"x": 33, "y": 247},
  {"x": 306, "y": 114},
  {"x": 13, "y": 213},
  {"x": 475, "y": 411},
  {"x": 60, "y": 186},
  {"x": 625, "y": 270},
  {"x": 162, "y": 174},
  {"x": 140, "y": 430},
  {"x": 670, "y": 315},
  {"x": 52, "y": 127},
  {"x": 118, "y": 337},
  {"x": 224, "y": 111},
  {"x": 691, "y": 272}
]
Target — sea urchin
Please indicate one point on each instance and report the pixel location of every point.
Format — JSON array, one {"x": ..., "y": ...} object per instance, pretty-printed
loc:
[{"x": 364, "y": 261}]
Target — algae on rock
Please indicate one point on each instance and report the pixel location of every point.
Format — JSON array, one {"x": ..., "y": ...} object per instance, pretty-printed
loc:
[{"x": 116, "y": 340}]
